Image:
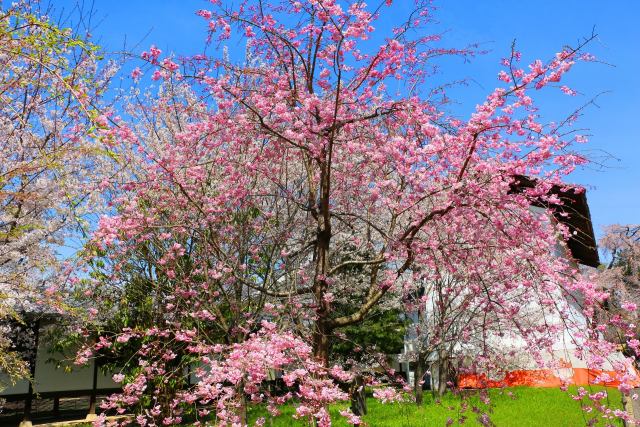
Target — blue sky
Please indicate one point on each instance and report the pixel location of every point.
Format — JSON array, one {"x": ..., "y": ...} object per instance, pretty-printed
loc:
[{"x": 540, "y": 29}]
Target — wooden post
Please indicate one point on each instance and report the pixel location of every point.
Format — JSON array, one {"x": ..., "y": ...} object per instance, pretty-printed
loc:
[
  {"x": 91, "y": 416},
  {"x": 26, "y": 419},
  {"x": 56, "y": 406}
]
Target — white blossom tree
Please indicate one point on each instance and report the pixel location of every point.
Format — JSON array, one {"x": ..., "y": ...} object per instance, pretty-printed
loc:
[{"x": 50, "y": 86}]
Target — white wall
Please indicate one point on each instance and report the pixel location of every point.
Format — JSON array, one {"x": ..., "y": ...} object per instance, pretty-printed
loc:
[{"x": 50, "y": 379}]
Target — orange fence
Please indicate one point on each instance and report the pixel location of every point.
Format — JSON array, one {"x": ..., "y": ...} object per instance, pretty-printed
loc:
[{"x": 539, "y": 378}]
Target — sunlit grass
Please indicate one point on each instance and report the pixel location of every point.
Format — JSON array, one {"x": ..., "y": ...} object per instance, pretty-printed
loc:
[
  {"x": 517, "y": 407},
  {"x": 511, "y": 407}
]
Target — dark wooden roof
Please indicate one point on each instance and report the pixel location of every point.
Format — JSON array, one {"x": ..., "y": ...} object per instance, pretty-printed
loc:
[{"x": 574, "y": 213}]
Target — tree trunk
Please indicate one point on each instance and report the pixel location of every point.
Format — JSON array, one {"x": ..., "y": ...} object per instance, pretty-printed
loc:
[
  {"x": 417, "y": 380},
  {"x": 358, "y": 396},
  {"x": 242, "y": 410},
  {"x": 443, "y": 374},
  {"x": 321, "y": 343}
]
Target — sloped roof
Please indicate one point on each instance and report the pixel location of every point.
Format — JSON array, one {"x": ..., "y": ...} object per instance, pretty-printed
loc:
[{"x": 574, "y": 213}]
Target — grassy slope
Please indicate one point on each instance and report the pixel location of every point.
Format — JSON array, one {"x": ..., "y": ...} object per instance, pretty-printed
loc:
[{"x": 528, "y": 407}]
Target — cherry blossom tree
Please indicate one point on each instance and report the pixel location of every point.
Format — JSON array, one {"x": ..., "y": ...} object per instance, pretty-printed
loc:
[
  {"x": 256, "y": 183},
  {"x": 622, "y": 244},
  {"x": 466, "y": 322},
  {"x": 442, "y": 313},
  {"x": 621, "y": 278},
  {"x": 49, "y": 92}
]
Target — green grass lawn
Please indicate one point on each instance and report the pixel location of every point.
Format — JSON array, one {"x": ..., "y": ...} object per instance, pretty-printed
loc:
[{"x": 527, "y": 407}]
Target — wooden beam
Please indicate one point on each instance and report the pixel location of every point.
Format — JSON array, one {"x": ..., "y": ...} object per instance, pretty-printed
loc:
[
  {"x": 28, "y": 402},
  {"x": 91, "y": 416}
]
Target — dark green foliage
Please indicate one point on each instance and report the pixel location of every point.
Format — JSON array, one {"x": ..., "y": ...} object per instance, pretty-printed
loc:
[{"x": 381, "y": 331}]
